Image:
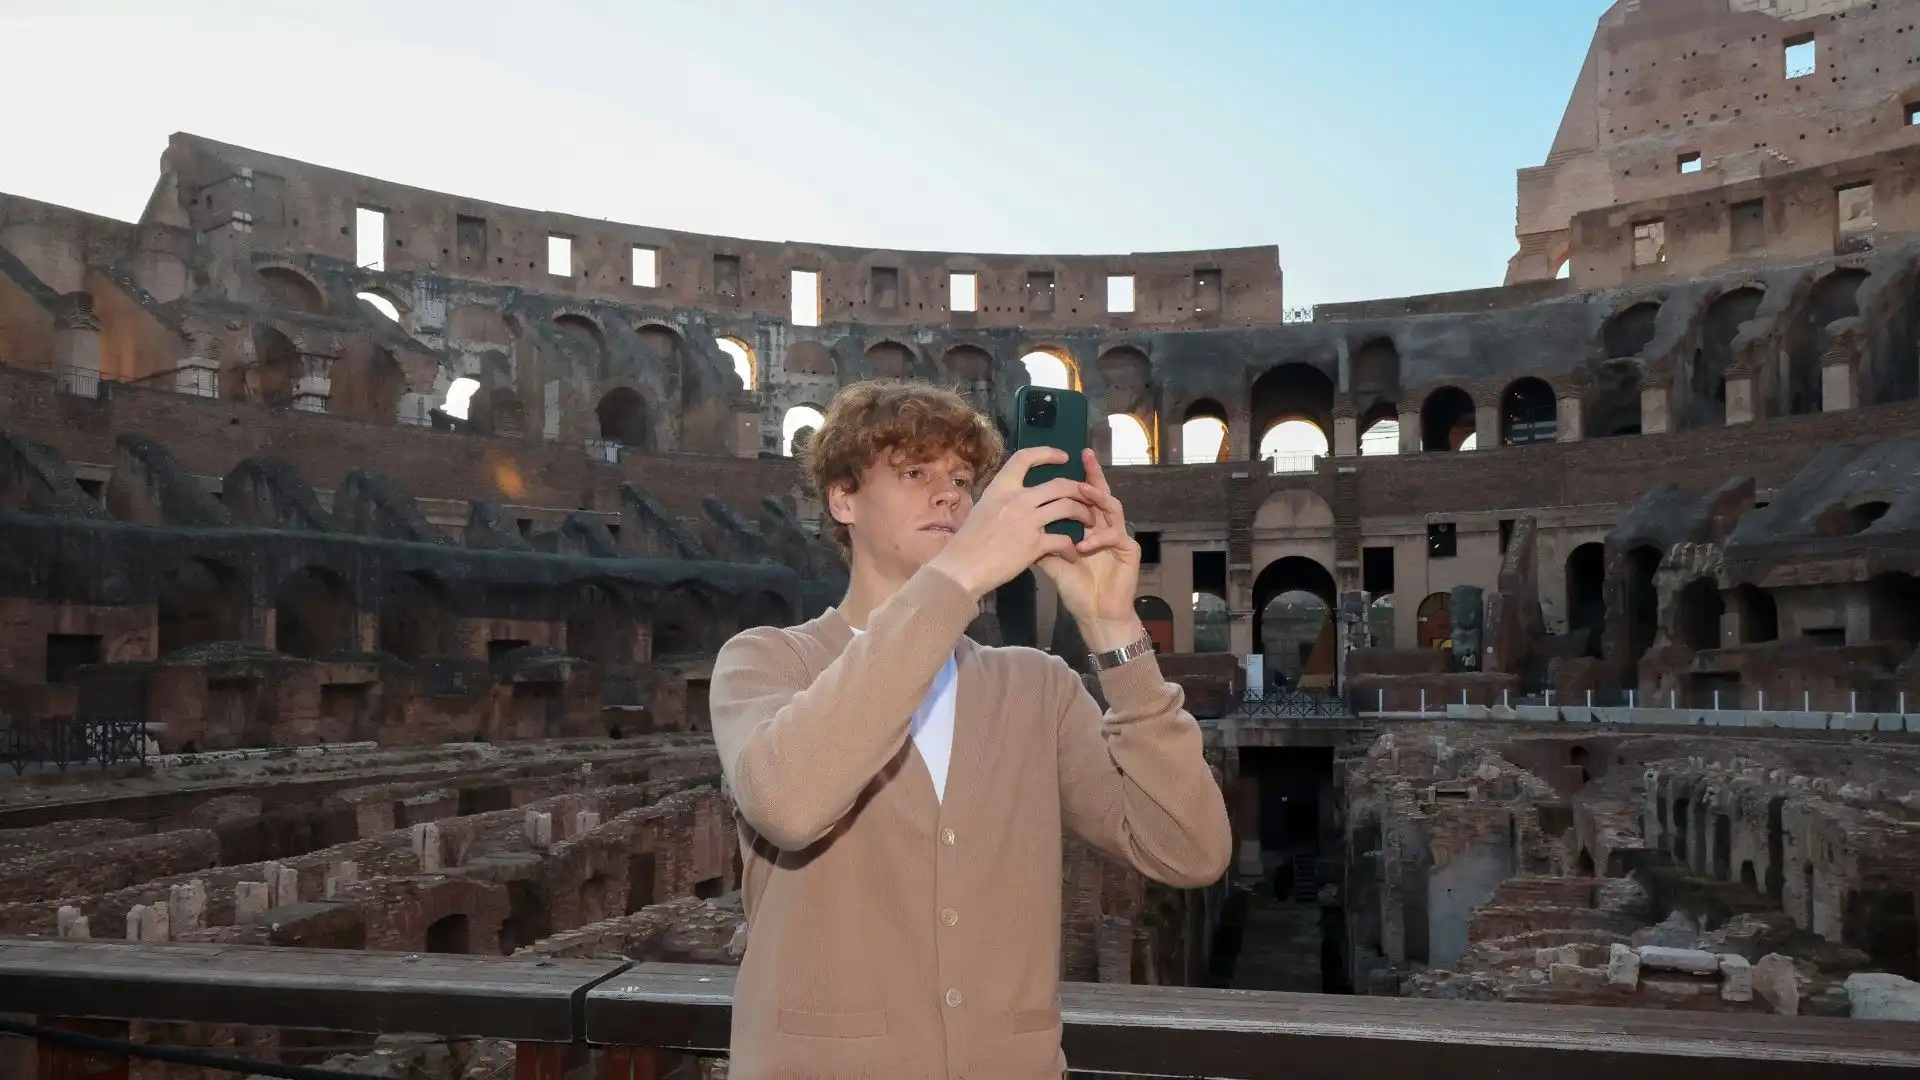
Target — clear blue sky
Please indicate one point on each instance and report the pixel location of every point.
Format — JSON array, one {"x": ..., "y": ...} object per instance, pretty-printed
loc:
[{"x": 1374, "y": 141}]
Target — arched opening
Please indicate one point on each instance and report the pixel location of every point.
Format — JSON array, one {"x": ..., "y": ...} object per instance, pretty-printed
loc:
[
  {"x": 1212, "y": 625},
  {"x": 1583, "y": 866},
  {"x": 1293, "y": 599},
  {"x": 1433, "y": 621},
  {"x": 1586, "y": 577},
  {"x": 1051, "y": 369},
  {"x": 584, "y": 333},
  {"x": 1893, "y": 608},
  {"x": 1851, "y": 519},
  {"x": 797, "y": 428},
  {"x": 1704, "y": 389},
  {"x": 1759, "y": 615},
  {"x": 450, "y": 934},
  {"x": 810, "y": 359},
  {"x": 1528, "y": 413},
  {"x": 314, "y": 615},
  {"x": 1630, "y": 331},
  {"x": 1131, "y": 444},
  {"x": 741, "y": 355},
  {"x": 1374, "y": 378},
  {"x": 768, "y": 609},
  {"x": 199, "y": 601},
  {"x": 684, "y": 623},
  {"x": 890, "y": 360},
  {"x": 1380, "y": 432},
  {"x": 1833, "y": 298},
  {"x": 623, "y": 418},
  {"x": 1642, "y": 614},
  {"x": 1291, "y": 392},
  {"x": 1697, "y": 615},
  {"x": 382, "y": 306},
  {"x": 964, "y": 365},
  {"x": 1203, "y": 433},
  {"x": 1747, "y": 877},
  {"x": 1447, "y": 420},
  {"x": 600, "y": 626},
  {"x": 1612, "y": 403},
  {"x": 276, "y": 369},
  {"x": 597, "y": 899},
  {"x": 1579, "y": 757},
  {"x": 1157, "y": 616},
  {"x": 459, "y": 397},
  {"x": 1292, "y": 446},
  {"x": 413, "y": 617},
  {"x": 291, "y": 289}
]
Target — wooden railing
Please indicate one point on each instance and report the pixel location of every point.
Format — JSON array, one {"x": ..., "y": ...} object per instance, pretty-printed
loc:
[{"x": 587, "y": 1017}]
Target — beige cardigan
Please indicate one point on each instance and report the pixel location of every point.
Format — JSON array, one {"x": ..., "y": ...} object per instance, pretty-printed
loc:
[{"x": 896, "y": 937}]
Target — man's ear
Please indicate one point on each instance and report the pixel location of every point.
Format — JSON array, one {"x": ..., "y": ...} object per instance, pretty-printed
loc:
[{"x": 840, "y": 504}]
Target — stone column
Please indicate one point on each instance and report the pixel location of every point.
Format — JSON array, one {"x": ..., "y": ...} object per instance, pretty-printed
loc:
[
  {"x": 198, "y": 376},
  {"x": 1839, "y": 375},
  {"x": 1570, "y": 422},
  {"x": 1346, "y": 430},
  {"x": 1486, "y": 420},
  {"x": 1410, "y": 431},
  {"x": 315, "y": 384},
  {"x": 1655, "y": 413}
]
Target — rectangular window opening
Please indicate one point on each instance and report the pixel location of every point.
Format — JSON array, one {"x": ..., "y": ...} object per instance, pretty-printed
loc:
[
  {"x": 1149, "y": 548},
  {"x": 963, "y": 292},
  {"x": 560, "y": 256},
  {"x": 1441, "y": 541},
  {"x": 1649, "y": 243},
  {"x": 370, "y": 238},
  {"x": 1119, "y": 294},
  {"x": 646, "y": 267},
  {"x": 1913, "y": 114},
  {"x": 806, "y": 298},
  {"x": 1690, "y": 162},
  {"x": 883, "y": 286},
  {"x": 1802, "y": 59},
  {"x": 1749, "y": 224}
]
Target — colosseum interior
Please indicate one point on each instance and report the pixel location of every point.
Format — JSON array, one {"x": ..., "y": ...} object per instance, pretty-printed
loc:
[{"x": 1555, "y": 642}]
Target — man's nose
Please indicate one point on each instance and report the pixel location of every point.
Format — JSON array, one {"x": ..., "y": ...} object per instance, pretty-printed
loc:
[{"x": 946, "y": 495}]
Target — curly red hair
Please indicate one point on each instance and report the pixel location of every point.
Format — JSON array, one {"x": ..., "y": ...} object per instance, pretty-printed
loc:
[{"x": 914, "y": 420}]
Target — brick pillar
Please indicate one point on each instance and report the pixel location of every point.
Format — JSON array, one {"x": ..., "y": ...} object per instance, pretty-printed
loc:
[
  {"x": 1346, "y": 430},
  {"x": 1739, "y": 379},
  {"x": 76, "y": 345},
  {"x": 1655, "y": 412},
  {"x": 1410, "y": 431},
  {"x": 1570, "y": 425},
  {"x": 1486, "y": 420},
  {"x": 1838, "y": 386}
]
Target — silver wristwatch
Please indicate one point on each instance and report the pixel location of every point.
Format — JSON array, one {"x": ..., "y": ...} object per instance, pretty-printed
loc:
[{"x": 1113, "y": 658}]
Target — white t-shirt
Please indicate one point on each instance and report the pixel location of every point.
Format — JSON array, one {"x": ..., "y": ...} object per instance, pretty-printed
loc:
[{"x": 932, "y": 728}]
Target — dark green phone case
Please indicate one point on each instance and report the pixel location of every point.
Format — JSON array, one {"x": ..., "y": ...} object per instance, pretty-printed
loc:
[{"x": 1069, "y": 433}]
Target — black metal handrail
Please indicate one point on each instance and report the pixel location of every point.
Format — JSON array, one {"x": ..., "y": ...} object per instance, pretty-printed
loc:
[{"x": 67, "y": 741}]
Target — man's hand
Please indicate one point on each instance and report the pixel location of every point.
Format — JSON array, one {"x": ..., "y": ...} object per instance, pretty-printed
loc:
[
  {"x": 1006, "y": 531},
  {"x": 1097, "y": 582}
]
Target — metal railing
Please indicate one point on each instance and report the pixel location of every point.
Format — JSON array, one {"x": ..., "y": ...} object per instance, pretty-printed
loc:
[
  {"x": 1294, "y": 702},
  {"x": 69, "y": 741},
  {"x": 1296, "y": 461},
  {"x": 563, "y": 1014}
]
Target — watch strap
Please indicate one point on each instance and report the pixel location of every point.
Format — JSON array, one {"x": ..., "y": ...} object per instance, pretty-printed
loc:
[{"x": 1113, "y": 658}]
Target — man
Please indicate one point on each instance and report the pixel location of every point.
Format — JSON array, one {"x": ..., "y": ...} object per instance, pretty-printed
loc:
[{"x": 901, "y": 790}]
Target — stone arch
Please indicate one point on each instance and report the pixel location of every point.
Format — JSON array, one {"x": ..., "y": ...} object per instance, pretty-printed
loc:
[
  {"x": 583, "y": 339},
  {"x": 1379, "y": 430},
  {"x": 1702, "y": 385},
  {"x": 600, "y": 624},
  {"x": 963, "y": 365},
  {"x": 1212, "y": 622},
  {"x": 746, "y": 363},
  {"x": 1298, "y": 574},
  {"x": 274, "y": 375},
  {"x": 1291, "y": 391},
  {"x": 1128, "y": 376},
  {"x": 1529, "y": 412},
  {"x": 685, "y": 621},
  {"x": 451, "y": 934},
  {"x": 810, "y": 358},
  {"x": 1204, "y": 435},
  {"x": 1050, "y": 365},
  {"x": 1433, "y": 621},
  {"x": 314, "y": 614},
  {"x": 388, "y": 305},
  {"x": 367, "y": 383},
  {"x": 1759, "y": 614},
  {"x": 663, "y": 345},
  {"x": 797, "y": 428},
  {"x": 767, "y": 608},
  {"x": 1836, "y": 296},
  {"x": 414, "y": 622},
  {"x": 891, "y": 360},
  {"x": 199, "y": 601},
  {"x": 1696, "y": 615},
  {"x": 1157, "y": 616},
  {"x": 289, "y": 288},
  {"x": 1447, "y": 419},
  {"x": 1294, "y": 508},
  {"x": 1586, "y": 585},
  {"x": 626, "y": 418},
  {"x": 1630, "y": 330}
]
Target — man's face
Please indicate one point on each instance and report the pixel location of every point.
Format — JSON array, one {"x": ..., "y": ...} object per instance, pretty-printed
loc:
[{"x": 905, "y": 512}]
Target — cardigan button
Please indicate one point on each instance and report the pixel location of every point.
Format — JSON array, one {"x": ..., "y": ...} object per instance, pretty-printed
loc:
[
  {"x": 949, "y": 916},
  {"x": 953, "y": 998},
  {"x": 946, "y": 837}
]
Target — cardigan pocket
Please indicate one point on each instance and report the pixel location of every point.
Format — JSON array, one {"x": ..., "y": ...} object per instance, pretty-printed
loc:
[{"x": 858, "y": 1025}]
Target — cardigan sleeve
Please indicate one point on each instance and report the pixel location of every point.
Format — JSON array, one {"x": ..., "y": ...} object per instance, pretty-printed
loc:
[
  {"x": 797, "y": 752},
  {"x": 1135, "y": 782}
]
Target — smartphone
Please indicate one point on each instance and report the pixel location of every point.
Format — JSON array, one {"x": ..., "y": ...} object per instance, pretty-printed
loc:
[{"x": 1058, "y": 418}]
